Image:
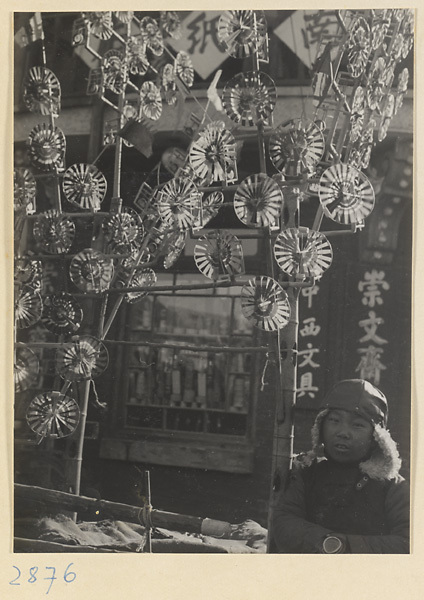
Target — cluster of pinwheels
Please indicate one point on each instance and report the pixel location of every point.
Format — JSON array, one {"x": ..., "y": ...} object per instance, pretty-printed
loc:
[
  {"x": 361, "y": 83},
  {"x": 303, "y": 152},
  {"x": 130, "y": 65}
]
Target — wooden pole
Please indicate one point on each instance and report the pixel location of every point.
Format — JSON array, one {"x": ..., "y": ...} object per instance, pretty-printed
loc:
[
  {"x": 134, "y": 343},
  {"x": 148, "y": 509},
  {"x": 125, "y": 512},
  {"x": 75, "y": 462},
  {"x": 284, "y": 412},
  {"x": 286, "y": 388}
]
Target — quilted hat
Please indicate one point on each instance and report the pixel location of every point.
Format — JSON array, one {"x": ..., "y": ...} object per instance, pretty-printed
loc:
[{"x": 359, "y": 396}]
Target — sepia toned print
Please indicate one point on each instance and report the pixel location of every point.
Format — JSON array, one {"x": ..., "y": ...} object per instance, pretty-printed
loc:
[{"x": 212, "y": 230}]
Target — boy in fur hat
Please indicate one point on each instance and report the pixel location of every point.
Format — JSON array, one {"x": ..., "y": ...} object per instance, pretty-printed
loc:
[{"x": 346, "y": 494}]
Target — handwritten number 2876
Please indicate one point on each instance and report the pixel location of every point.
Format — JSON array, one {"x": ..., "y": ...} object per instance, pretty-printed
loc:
[{"x": 68, "y": 576}]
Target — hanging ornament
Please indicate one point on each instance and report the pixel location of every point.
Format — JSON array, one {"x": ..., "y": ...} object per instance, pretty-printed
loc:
[
  {"x": 265, "y": 303},
  {"x": 82, "y": 358},
  {"x": 28, "y": 272},
  {"x": 249, "y": 98},
  {"x": 125, "y": 16},
  {"x": 183, "y": 68},
  {"x": 379, "y": 27},
  {"x": 130, "y": 112},
  {"x": 114, "y": 68},
  {"x": 146, "y": 202},
  {"x": 376, "y": 84},
  {"x": 345, "y": 194},
  {"x": 28, "y": 307},
  {"x": 155, "y": 240},
  {"x": 397, "y": 14},
  {"x": 95, "y": 83},
  {"x": 25, "y": 368},
  {"x": 152, "y": 35},
  {"x": 242, "y": 32},
  {"x": 389, "y": 75},
  {"x": 402, "y": 86},
  {"x": 174, "y": 244},
  {"x": 42, "y": 92},
  {"x": 62, "y": 314},
  {"x": 357, "y": 114},
  {"x": 303, "y": 252},
  {"x": 170, "y": 22},
  {"x": 169, "y": 85},
  {"x": 52, "y": 414},
  {"x": 101, "y": 25},
  {"x": 258, "y": 201},
  {"x": 219, "y": 255},
  {"x": 46, "y": 147},
  {"x": 123, "y": 231},
  {"x": 150, "y": 101},
  {"x": 360, "y": 153},
  {"x": 386, "y": 116},
  {"x": 135, "y": 261},
  {"x": 141, "y": 278},
  {"x": 91, "y": 271},
  {"x": 296, "y": 147},
  {"x": 407, "y": 30},
  {"x": 84, "y": 186},
  {"x": 179, "y": 203},
  {"x": 396, "y": 46},
  {"x": 383, "y": 14},
  {"x": 80, "y": 32},
  {"x": 358, "y": 47},
  {"x": 24, "y": 190},
  {"x": 138, "y": 63},
  {"x": 210, "y": 208},
  {"x": 213, "y": 155},
  {"x": 54, "y": 232}
]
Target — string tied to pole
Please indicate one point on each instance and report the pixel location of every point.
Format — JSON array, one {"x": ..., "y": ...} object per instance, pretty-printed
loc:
[{"x": 267, "y": 361}]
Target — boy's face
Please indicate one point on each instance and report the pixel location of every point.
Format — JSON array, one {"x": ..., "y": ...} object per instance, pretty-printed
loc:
[{"x": 347, "y": 437}]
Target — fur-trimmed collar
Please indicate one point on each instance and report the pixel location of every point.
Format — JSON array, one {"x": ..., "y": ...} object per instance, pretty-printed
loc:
[{"x": 384, "y": 462}]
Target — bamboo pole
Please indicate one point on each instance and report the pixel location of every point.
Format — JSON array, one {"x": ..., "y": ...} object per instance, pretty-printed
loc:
[
  {"x": 284, "y": 413},
  {"x": 119, "y": 511},
  {"x": 175, "y": 346},
  {"x": 148, "y": 509},
  {"x": 80, "y": 432},
  {"x": 198, "y": 286},
  {"x": 283, "y": 435}
]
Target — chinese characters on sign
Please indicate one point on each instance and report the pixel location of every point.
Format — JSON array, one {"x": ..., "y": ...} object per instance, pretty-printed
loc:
[
  {"x": 308, "y": 355},
  {"x": 370, "y": 366},
  {"x": 305, "y": 30},
  {"x": 199, "y": 40}
]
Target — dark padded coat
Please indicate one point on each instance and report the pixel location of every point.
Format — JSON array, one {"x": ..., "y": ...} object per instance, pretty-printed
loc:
[{"x": 368, "y": 503}]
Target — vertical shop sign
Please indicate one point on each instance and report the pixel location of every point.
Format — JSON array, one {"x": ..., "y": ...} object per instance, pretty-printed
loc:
[
  {"x": 371, "y": 365},
  {"x": 309, "y": 346}
]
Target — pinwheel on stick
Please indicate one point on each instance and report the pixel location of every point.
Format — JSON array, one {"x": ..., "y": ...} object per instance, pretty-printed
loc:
[
  {"x": 53, "y": 414},
  {"x": 265, "y": 303}
]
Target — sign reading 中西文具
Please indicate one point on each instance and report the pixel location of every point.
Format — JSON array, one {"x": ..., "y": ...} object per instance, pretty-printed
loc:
[{"x": 309, "y": 345}]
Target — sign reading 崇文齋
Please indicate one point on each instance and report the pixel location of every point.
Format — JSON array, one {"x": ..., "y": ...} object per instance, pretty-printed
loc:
[{"x": 372, "y": 286}]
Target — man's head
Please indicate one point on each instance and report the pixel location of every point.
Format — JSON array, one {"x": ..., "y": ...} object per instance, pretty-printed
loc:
[
  {"x": 352, "y": 425},
  {"x": 347, "y": 437},
  {"x": 353, "y": 407},
  {"x": 360, "y": 397}
]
